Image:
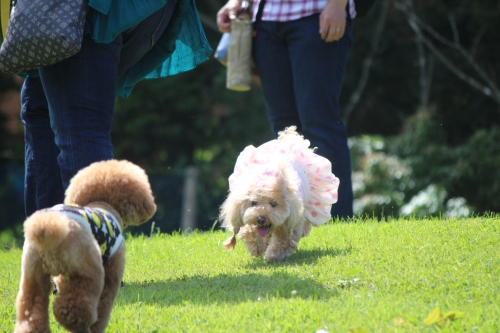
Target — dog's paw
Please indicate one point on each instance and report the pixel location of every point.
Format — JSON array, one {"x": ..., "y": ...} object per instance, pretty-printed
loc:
[
  {"x": 275, "y": 256},
  {"x": 281, "y": 253},
  {"x": 253, "y": 249},
  {"x": 27, "y": 326}
]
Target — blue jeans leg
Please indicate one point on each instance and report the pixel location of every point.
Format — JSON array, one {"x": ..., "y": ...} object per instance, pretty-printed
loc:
[
  {"x": 81, "y": 103},
  {"x": 67, "y": 112},
  {"x": 40, "y": 150},
  {"x": 301, "y": 79}
]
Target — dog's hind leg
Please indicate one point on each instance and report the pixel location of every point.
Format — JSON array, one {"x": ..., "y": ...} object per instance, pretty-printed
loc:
[
  {"x": 297, "y": 232},
  {"x": 33, "y": 298},
  {"x": 75, "y": 306},
  {"x": 112, "y": 282},
  {"x": 307, "y": 228}
]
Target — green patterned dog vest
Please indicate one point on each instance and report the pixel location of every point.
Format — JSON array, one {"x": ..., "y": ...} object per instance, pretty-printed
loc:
[{"x": 103, "y": 225}]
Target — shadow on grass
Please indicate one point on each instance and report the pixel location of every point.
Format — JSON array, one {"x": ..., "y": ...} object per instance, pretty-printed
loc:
[
  {"x": 223, "y": 289},
  {"x": 231, "y": 289},
  {"x": 301, "y": 257}
]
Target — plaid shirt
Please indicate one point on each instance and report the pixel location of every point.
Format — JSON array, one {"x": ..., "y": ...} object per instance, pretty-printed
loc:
[{"x": 289, "y": 10}]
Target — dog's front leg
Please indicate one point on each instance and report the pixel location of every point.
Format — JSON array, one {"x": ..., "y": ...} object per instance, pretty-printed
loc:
[
  {"x": 279, "y": 246},
  {"x": 32, "y": 301},
  {"x": 253, "y": 243},
  {"x": 113, "y": 274}
]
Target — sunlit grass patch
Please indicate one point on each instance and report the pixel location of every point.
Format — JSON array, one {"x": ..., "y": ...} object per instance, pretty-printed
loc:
[{"x": 366, "y": 275}]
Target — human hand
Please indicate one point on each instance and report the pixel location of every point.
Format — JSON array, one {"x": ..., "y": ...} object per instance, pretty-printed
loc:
[
  {"x": 332, "y": 20},
  {"x": 226, "y": 14}
]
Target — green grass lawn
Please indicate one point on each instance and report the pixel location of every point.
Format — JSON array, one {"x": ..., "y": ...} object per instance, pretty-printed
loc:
[{"x": 362, "y": 276}]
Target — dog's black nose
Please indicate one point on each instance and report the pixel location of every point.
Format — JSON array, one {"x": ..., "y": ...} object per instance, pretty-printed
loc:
[{"x": 261, "y": 220}]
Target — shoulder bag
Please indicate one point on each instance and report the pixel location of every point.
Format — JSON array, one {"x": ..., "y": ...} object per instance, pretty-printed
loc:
[{"x": 42, "y": 33}]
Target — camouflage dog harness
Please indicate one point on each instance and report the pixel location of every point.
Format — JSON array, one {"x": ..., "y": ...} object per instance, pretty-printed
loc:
[{"x": 101, "y": 223}]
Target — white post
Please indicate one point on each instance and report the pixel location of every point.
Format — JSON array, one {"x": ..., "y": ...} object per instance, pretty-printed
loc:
[{"x": 188, "y": 214}]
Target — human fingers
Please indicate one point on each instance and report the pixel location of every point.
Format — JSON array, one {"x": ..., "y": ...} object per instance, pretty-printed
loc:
[
  {"x": 332, "y": 21},
  {"x": 223, "y": 20},
  {"x": 331, "y": 29},
  {"x": 226, "y": 14},
  {"x": 335, "y": 33}
]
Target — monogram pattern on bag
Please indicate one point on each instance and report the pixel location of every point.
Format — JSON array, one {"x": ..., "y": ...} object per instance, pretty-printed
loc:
[{"x": 42, "y": 33}]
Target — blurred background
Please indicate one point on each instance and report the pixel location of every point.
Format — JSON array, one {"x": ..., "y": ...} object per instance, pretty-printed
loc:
[{"x": 420, "y": 99}]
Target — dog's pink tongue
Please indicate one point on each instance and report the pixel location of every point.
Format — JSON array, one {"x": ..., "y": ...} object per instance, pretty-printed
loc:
[{"x": 263, "y": 231}]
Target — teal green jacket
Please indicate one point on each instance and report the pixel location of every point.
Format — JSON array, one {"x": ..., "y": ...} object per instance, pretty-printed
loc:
[{"x": 182, "y": 47}]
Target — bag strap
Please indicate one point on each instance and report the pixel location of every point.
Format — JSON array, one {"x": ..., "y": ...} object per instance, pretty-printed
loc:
[
  {"x": 4, "y": 16},
  {"x": 260, "y": 10}
]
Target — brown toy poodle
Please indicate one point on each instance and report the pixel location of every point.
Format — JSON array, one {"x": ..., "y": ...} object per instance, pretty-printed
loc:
[{"x": 81, "y": 244}]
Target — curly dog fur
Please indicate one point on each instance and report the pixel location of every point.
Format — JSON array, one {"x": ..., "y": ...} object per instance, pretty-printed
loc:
[
  {"x": 56, "y": 245},
  {"x": 265, "y": 206},
  {"x": 275, "y": 208}
]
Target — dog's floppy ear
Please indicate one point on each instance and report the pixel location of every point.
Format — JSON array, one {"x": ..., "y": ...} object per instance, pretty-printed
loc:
[
  {"x": 230, "y": 215},
  {"x": 230, "y": 243},
  {"x": 121, "y": 184}
]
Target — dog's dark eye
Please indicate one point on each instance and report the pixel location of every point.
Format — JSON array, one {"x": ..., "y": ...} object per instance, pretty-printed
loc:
[
  {"x": 254, "y": 203},
  {"x": 273, "y": 203}
]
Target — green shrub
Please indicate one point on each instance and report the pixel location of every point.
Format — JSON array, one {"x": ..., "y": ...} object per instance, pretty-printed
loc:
[
  {"x": 417, "y": 173},
  {"x": 380, "y": 181},
  {"x": 478, "y": 162}
]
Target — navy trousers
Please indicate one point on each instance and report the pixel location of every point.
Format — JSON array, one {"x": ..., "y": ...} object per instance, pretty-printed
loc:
[{"x": 301, "y": 79}]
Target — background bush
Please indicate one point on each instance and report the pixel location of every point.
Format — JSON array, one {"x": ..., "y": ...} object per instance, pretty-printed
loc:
[
  {"x": 424, "y": 139},
  {"x": 417, "y": 173}
]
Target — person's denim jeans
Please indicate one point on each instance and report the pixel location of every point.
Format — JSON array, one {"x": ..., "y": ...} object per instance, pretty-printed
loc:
[
  {"x": 301, "y": 79},
  {"x": 67, "y": 112}
]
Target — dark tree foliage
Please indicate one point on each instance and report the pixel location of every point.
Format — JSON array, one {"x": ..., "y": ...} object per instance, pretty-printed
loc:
[
  {"x": 192, "y": 119},
  {"x": 11, "y": 163},
  {"x": 11, "y": 147},
  {"x": 392, "y": 93}
]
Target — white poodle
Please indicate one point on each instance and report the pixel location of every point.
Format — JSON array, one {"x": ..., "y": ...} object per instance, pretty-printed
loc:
[{"x": 277, "y": 192}]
